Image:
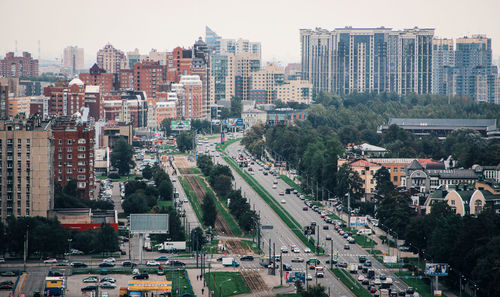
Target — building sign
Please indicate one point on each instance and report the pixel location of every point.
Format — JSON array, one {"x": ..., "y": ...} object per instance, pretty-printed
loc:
[
  {"x": 234, "y": 123},
  {"x": 180, "y": 125},
  {"x": 358, "y": 221}
]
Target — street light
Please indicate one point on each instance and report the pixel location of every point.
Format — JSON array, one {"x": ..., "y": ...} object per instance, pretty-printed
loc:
[{"x": 220, "y": 287}]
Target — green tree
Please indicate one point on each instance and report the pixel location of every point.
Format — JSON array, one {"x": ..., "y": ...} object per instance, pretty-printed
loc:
[
  {"x": 198, "y": 239},
  {"x": 236, "y": 107},
  {"x": 314, "y": 291},
  {"x": 135, "y": 203},
  {"x": 348, "y": 181},
  {"x": 209, "y": 210},
  {"x": 107, "y": 239},
  {"x": 165, "y": 126},
  {"x": 147, "y": 172},
  {"x": 185, "y": 141},
  {"x": 221, "y": 185},
  {"x": 121, "y": 156},
  {"x": 166, "y": 190},
  {"x": 384, "y": 186}
]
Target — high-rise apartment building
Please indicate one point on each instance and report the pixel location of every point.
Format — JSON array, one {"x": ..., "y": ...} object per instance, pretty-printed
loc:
[
  {"x": 24, "y": 66},
  {"x": 111, "y": 59},
  {"x": 74, "y": 154},
  {"x": 147, "y": 77},
  {"x": 348, "y": 60},
  {"x": 443, "y": 60},
  {"x": 65, "y": 98},
  {"x": 298, "y": 90},
  {"x": 212, "y": 40},
  {"x": 474, "y": 74},
  {"x": 179, "y": 62},
  {"x": 99, "y": 77},
  {"x": 26, "y": 160},
  {"x": 193, "y": 97},
  {"x": 264, "y": 84},
  {"x": 73, "y": 59}
]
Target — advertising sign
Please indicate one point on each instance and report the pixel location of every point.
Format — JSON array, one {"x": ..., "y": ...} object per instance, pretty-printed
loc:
[
  {"x": 234, "y": 123},
  {"x": 222, "y": 138},
  {"x": 180, "y": 125},
  {"x": 358, "y": 221},
  {"x": 436, "y": 269},
  {"x": 390, "y": 259}
]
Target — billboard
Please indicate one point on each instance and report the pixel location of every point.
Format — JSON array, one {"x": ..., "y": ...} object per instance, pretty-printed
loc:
[
  {"x": 390, "y": 259},
  {"x": 149, "y": 223},
  {"x": 358, "y": 221},
  {"x": 180, "y": 125},
  {"x": 234, "y": 123},
  {"x": 436, "y": 269}
]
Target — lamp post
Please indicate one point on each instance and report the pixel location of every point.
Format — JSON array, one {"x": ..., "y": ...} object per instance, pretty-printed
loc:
[
  {"x": 69, "y": 249},
  {"x": 220, "y": 287}
]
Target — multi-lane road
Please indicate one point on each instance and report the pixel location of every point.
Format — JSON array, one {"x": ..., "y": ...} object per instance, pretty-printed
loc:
[{"x": 282, "y": 235}]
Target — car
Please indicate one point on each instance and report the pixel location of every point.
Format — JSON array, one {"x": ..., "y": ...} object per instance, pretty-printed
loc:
[
  {"x": 111, "y": 260},
  {"x": 128, "y": 264},
  {"x": 106, "y": 264},
  {"x": 309, "y": 277},
  {"x": 6, "y": 285},
  {"x": 410, "y": 290},
  {"x": 346, "y": 235},
  {"x": 287, "y": 267},
  {"x": 347, "y": 247},
  {"x": 361, "y": 277},
  {"x": 78, "y": 265},
  {"x": 305, "y": 208},
  {"x": 372, "y": 289},
  {"x": 152, "y": 263},
  {"x": 368, "y": 264},
  {"x": 325, "y": 227},
  {"x": 296, "y": 250},
  {"x": 333, "y": 261},
  {"x": 108, "y": 279},
  {"x": 247, "y": 258},
  {"x": 283, "y": 201},
  {"x": 91, "y": 279},
  {"x": 141, "y": 276},
  {"x": 297, "y": 260},
  {"x": 219, "y": 259},
  {"x": 123, "y": 252},
  {"x": 328, "y": 237},
  {"x": 362, "y": 259},
  {"x": 365, "y": 282},
  {"x": 162, "y": 258},
  {"x": 342, "y": 265},
  {"x": 50, "y": 261},
  {"x": 89, "y": 288},
  {"x": 2, "y": 260},
  {"x": 383, "y": 277},
  {"x": 56, "y": 273},
  {"x": 176, "y": 263},
  {"x": 107, "y": 285},
  {"x": 377, "y": 282},
  {"x": 307, "y": 250},
  {"x": 282, "y": 193}
]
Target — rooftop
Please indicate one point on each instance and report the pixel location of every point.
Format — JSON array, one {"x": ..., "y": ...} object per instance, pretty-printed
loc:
[{"x": 489, "y": 124}]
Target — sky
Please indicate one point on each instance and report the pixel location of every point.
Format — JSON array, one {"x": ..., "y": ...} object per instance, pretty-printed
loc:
[{"x": 163, "y": 25}]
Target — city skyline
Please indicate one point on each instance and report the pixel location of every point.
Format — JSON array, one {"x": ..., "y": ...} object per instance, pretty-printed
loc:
[{"x": 65, "y": 26}]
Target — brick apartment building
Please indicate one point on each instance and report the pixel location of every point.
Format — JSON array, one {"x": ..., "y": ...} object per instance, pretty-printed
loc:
[
  {"x": 99, "y": 77},
  {"x": 74, "y": 154},
  {"x": 23, "y": 66},
  {"x": 147, "y": 77},
  {"x": 179, "y": 62},
  {"x": 65, "y": 98}
]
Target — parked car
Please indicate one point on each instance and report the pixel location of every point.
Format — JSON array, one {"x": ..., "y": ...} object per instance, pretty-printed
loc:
[
  {"x": 162, "y": 258},
  {"x": 246, "y": 258},
  {"x": 78, "y": 265},
  {"x": 8, "y": 273},
  {"x": 106, "y": 264},
  {"x": 176, "y": 263},
  {"x": 141, "y": 276},
  {"x": 107, "y": 285},
  {"x": 152, "y": 263},
  {"x": 111, "y": 259},
  {"x": 287, "y": 267},
  {"x": 108, "y": 279},
  {"x": 307, "y": 250},
  {"x": 128, "y": 264},
  {"x": 89, "y": 288},
  {"x": 50, "y": 261},
  {"x": 297, "y": 260}
]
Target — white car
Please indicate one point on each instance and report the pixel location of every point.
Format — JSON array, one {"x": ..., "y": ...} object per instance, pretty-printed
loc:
[
  {"x": 307, "y": 250},
  {"x": 110, "y": 260},
  {"x": 50, "y": 261},
  {"x": 275, "y": 186},
  {"x": 309, "y": 277},
  {"x": 152, "y": 263},
  {"x": 284, "y": 249},
  {"x": 283, "y": 201},
  {"x": 361, "y": 277},
  {"x": 296, "y": 250}
]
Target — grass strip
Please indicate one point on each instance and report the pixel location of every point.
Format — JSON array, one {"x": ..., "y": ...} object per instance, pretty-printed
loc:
[
  {"x": 226, "y": 216},
  {"x": 250, "y": 245},
  {"x": 192, "y": 199},
  {"x": 291, "y": 183},
  {"x": 226, "y": 283},
  {"x": 422, "y": 286},
  {"x": 294, "y": 226},
  {"x": 364, "y": 241},
  {"x": 355, "y": 287},
  {"x": 179, "y": 280}
]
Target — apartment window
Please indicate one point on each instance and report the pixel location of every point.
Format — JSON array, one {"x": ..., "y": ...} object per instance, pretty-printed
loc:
[
  {"x": 81, "y": 141},
  {"x": 59, "y": 156},
  {"x": 81, "y": 156},
  {"x": 59, "y": 178},
  {"x": 70, "y": 149},
  {"x": 452, "y": 202},
  {"x": 28, "y": 141},
  {"x": 60, "y": 141},
  {"x": 69, "y": 156},
  {"x": 19, "y": 141},
  {"x": 81, "y": 177},
  {"x": 81, "y": 148},
  {"x": 395, "y": 178},
  {"x": 59, "y": 170},
  {"x": 70, "y": 163},
  {"x": 70, "y": 141},
  {"x": 395, "y": 169},
  {"x": 362, "y": 172},
  {"x": 59, "y": 163},
  {"x": 59, "y": 149},
  {"x": 371, "y": 172}
]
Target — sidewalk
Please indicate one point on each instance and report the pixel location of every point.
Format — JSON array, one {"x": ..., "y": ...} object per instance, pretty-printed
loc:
[{"x": 196, "y": 284}]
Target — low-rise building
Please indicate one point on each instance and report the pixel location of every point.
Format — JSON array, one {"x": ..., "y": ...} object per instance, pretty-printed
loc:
[
  {"x": 287, "y": 116},
  {"x": 85, "y": 219},
  {"x": 253, "y": 117}
]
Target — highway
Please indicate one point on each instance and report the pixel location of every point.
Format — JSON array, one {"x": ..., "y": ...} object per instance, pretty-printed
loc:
[
  {"x": 280, "y": 235},
  {"x": 294, "y": 207}
]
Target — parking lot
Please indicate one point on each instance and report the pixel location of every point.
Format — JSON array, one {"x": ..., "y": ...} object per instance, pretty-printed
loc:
[{"x": 75, "y": 283}]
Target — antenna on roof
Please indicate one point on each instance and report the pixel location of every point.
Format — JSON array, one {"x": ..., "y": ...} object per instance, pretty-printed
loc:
[{"x": 15, "y": 53}]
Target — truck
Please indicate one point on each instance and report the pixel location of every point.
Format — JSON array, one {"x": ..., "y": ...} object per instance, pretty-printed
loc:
[
  {"x": 364, "y": 232},
  {"x": 171, "y": 246},
  {"x": 229, "y": 261},
  {"x": 386, "y": 284},
  {"x": 147, "y": 246},
  {"x": 384, "y": 293},
  {"x": 371, "y": 274},
  {"x": 353, "y": 268},
  {"x": 319, "y": 272}
]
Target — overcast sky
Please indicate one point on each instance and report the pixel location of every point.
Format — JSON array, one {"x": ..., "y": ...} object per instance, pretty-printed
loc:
[{"x": 163, "y": 25}]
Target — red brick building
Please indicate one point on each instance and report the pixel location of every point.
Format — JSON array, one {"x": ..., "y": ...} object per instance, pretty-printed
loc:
[
  {"x": 126, "y": 78},
  {"x": 99, "y": 77},
  {"x": 23, "y": 66},
  {"x": 74, "y": 154},
  {"x": 65, "y": 98},
  {"x": 147, "y": 77},
  {"x": 179, "y": 63}
]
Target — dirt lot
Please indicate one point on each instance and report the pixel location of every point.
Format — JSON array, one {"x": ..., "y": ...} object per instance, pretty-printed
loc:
[
  {"x": 183, "y": 162},
  {"x": 75, "y": 283}
]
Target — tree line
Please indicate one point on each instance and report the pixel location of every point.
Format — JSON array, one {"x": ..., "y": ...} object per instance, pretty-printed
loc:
[{"x": 220, "y": 178}]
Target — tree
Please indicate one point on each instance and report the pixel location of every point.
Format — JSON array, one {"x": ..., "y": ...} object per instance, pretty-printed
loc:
[
  {"x": 107, "y": 239},
  {"x": 198, "y": 240},
  {"x": 314, "y": 291},
  {"x": 209, "y": 210},
  {"x": 166, "y": 190},
  {"x": 236, "y": 107},
  {"x": 121, "y": 156},
  {"x": 348, "y": 181},
  {"x": 185, "y": 141},
  {"x": 165, "y": 126},
  {"x": 135, "y": 203},
  {"x": 221, "y": 184},
  {"x": 147, "y": 172},
  {"x": 384, "y": 185}
]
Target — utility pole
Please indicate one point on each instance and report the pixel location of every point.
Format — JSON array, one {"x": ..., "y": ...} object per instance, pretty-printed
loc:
[
  {"x": 26, "y": 248},
  {"x": 281, "y": 268},
  {"x": 270, "y": 257},
  {"x": 348, "y": 210},
  {"x": 258, "y": 232},
  {"x": 317, "y": 241},
  {"x": 274, "y": 258},
  {"x": 331, "y": 254}
]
